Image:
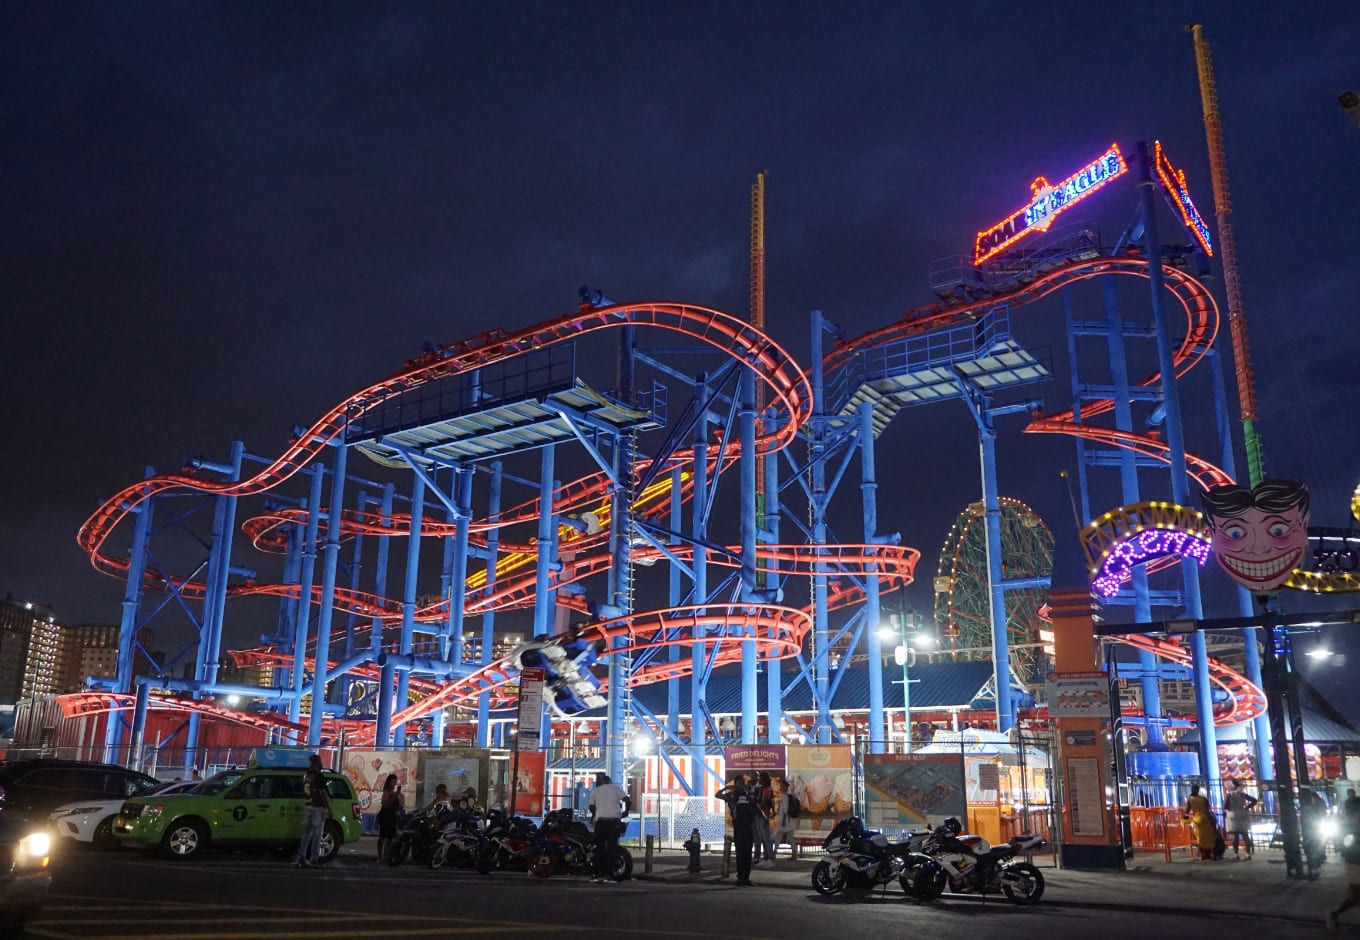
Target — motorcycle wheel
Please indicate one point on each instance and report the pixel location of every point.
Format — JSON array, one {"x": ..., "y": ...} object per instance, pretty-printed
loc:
[
  {"x": 542, "y": 866},
  {"x": 439, "y": 856},
  {"x": 486, "y": 860},
  {"x": 827, "y": 879},
  {"x": 1022, "y": 883},
  {"x": 926, "y": 885},
  {"x": 623, "y": 865},
  {"x": 398, "y": 851}
]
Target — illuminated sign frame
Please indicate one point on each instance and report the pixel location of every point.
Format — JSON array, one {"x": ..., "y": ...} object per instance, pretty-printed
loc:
[
  {"x": 1173, "y": 181},
  {"x": 1048, "y": 202}
]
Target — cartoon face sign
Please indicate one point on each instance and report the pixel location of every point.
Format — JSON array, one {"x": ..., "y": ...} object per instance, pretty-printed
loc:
[{"x": 1259, "y": 536}]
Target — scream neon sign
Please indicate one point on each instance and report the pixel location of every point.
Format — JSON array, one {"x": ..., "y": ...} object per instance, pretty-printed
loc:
[
  {"x": 1174, "y": 182},
  {"x": 1049, "y": 200},
  {"x": 1145, "y": 546}
]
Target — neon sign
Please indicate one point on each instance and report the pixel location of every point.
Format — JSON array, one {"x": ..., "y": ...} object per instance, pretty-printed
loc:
[
  {"x": 1145, "y": 546},
  {"x": 1048, "y": 202},
  {"x": 1173, "y": 180}
]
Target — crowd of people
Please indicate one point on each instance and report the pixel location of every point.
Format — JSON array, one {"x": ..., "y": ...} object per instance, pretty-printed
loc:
[{"x": 761, "y": 820}]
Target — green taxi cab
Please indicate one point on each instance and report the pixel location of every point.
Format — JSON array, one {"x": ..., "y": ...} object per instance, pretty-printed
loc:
[{"x": 254, "y": 808}]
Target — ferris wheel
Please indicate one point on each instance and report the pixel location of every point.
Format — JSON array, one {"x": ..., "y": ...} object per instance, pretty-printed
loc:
[{"x": 962, "y": 598}]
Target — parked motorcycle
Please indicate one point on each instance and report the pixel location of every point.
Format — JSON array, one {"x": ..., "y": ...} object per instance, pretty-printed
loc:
[
  {"x": 459, "y": 843},
  {"x": 565, "y": 845},
  {"x": 418, "y": 834},
  {"x": 508, "y": 843},
  {"x": 969, "y": 864},
  {"x": 861, "y": 858}
]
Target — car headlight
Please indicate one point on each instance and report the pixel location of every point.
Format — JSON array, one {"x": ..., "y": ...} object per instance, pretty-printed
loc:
[
  {"x": 35, "y": 846},
  {"x": 150, "y": 812},
  {"x": 81, "y": 811}
]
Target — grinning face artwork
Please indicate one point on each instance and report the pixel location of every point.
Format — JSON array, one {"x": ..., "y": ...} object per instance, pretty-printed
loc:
[{"x": 1259, "y": 536}]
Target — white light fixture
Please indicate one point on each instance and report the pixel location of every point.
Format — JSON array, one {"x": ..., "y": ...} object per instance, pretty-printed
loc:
[
  {"x": 642, "y": 746},
  {"x": 233, "y": 700},
  {"x": 923, "y": 641},
  {"x": 1318, "y": 652},
  {"x": 887, "y": 634}
]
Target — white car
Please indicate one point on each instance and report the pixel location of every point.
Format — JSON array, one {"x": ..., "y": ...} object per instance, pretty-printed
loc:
[{"x": 92, "y": 820}]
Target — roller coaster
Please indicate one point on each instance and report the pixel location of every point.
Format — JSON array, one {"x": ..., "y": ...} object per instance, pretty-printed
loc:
[{"x": 402, "y": 658}]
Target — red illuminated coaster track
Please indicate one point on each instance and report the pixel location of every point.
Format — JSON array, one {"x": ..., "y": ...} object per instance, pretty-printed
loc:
[{"x": 1202, "y": 322}]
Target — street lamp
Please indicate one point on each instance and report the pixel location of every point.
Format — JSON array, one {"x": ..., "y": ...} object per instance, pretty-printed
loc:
[{"x": 910, "y": 639}]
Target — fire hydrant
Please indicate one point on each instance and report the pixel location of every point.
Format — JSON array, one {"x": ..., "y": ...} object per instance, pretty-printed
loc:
[{"x": 692, "y": 845}]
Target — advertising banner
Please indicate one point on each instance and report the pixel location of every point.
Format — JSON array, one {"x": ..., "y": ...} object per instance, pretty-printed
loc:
[
  {"x": 530, "y": 721},
  {"x": 1079, "y": 695},
  {"x": 747, "y": 758},
  {"x": 913, "y": 791},
  {"x": 822, "y": 778},
  {"x": 529, "y": 783},
  {"x": 368, "y": 769},
  {"x": 459, "y": 769}
]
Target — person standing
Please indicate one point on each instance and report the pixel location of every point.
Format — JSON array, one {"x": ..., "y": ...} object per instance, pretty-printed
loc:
[
  {"x": 784, "y": 823},
  {"x": 317, "y": 807},
  {"x": 1350, "y": 857},
  {"x": 741, "y": 800},
  {"x": 764, "y": 821},
  {"x": 388, "y": 811},
  {"x": 1237, "y": 805},
  {"x": 1200, "y": 815},
  {"x": 608, "y": 807}
]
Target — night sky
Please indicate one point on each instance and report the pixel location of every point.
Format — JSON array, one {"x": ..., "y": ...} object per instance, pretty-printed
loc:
[{"x": 222, "y": 219}]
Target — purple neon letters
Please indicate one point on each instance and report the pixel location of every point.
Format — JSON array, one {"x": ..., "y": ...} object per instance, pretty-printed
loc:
[{"x": 1143, "y": 547}]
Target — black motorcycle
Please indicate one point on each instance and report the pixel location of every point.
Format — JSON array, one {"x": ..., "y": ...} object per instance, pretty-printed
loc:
[
  {"x": 418, "y": 835},
  {"x": 860, "y": 858},
  {"x": 460, "y": 842},
  {"x": 508, "y": 843},
  {"x": 968, "y": 864}
]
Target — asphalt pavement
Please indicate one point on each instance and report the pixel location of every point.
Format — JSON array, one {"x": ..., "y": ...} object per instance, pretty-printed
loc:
[{"x": 1258, "y": 889}]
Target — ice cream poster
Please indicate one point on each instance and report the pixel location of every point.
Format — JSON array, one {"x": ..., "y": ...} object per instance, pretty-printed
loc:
[
  {"x": 823, "y": 779},
  {"x": 913, "y": 791},
  {"x": 368, "y": 769}
]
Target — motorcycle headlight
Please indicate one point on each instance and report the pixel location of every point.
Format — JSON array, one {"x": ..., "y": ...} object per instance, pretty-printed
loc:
[
  {"x": 35, "y": 847},
  {"x": 1327, "y": 828}
]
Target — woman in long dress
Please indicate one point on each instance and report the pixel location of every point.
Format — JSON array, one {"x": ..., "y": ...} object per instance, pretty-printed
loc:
[{"x": 1202, "y": 824}]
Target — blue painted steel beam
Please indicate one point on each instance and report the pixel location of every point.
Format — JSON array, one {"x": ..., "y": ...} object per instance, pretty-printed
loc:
[
  {"x": 878, "y": 727},
  {"x": 408, "y": 600},
  {"x": 698, "y": 730},
  {"x": 326, "y": 613},
  {"x": 128, "y": 625},
  {"x": 302, "y": 617},
  {"x": 774, "y": 706},
  {"x": 493, "y": 537},
  {"x": 750, "y": 702},
  {"x": 1180, "y": 490}
]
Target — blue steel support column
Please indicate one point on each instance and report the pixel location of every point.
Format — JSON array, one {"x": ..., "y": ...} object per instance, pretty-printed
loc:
[
  {"x": 1074, "y": 373},
  {"x": 698, "y": 691},
  {"x": 1001, "y": 657},
  {"x": 673, "y": 590},
  {"x": 750, "y": 687},
  {"x": 127, "y": 627},
  {"x": 356, "y": 569},
  {"x": 326, "y": 612},
  {"x": 818, "y": 498},
  {"x": 387, "y": 676},
  {"x": 1128, "y": 479},
  {"x": 375, "y": 639},
  {"x": 493, "y": 542},
  {"x": 408, "y": 599},
  {"x": 547, "y": 521},
  {"x": 878, "y": 728},
  {"x": 774, "y": 704},
  {"x": 215, "y": 598},
  {"x": 303, "y": 616},
  {"x": 1180, "y": 489},
  {"x": 139, "y": 721},
  {"x": 621, "y": 573},
  {"x": 1251, "y": 653}
]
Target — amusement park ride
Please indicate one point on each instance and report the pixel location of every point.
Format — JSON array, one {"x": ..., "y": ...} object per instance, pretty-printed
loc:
[{"x": 699, "y": 398}]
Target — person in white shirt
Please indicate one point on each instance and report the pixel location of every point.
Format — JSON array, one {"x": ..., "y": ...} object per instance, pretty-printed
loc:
[{"x": 608, "y": 807}]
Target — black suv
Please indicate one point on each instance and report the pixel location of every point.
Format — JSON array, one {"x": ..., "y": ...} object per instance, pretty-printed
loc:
[{"x": 35, "y": 787}]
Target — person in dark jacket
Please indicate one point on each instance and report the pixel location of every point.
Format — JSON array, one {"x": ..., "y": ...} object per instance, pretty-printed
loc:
[{"x": 741, "y": 800}]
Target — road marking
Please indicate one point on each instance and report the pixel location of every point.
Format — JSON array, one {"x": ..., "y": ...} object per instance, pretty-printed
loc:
[{"x": 441, "y": 931}]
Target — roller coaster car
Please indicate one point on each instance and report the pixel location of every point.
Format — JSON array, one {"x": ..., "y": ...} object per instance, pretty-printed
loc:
[{"x": 569, "y": 685}]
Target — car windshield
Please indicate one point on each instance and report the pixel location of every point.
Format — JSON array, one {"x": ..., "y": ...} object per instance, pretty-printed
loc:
[{"x": 216, "y": 783}]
